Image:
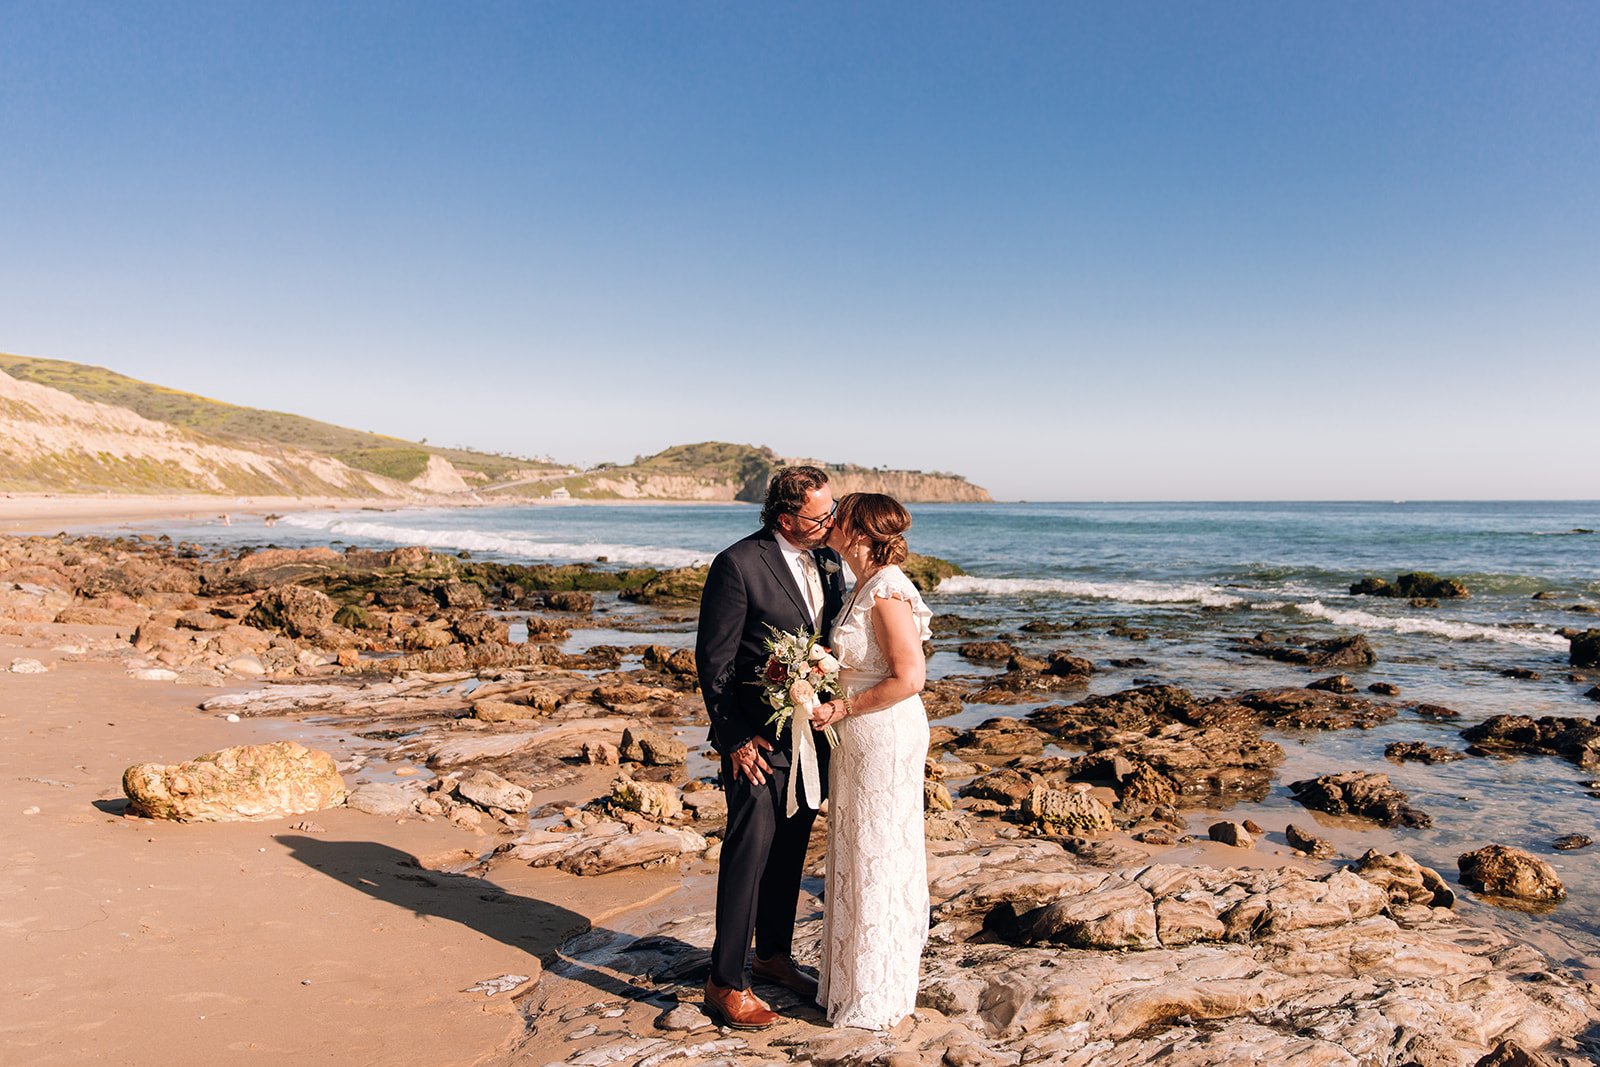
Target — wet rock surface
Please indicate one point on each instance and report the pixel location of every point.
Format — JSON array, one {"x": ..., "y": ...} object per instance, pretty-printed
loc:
[
  {"x": 1585, "y": 649},
  {"x": 1368, "y": 794},
  {"x": 1333, "y": 652},
  {"x": 1500, "y": 870},
  {"x": 1421, "y": 752},
  {"x": 1572, "y": 738},
  {"x": 1418, "y": 585}
]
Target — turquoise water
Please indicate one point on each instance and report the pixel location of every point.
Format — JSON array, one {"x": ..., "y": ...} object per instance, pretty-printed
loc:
[{"x": 1195, "y": 578}]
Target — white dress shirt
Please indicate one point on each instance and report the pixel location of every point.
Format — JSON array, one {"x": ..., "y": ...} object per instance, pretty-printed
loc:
[{"x": 792, "y": 556}]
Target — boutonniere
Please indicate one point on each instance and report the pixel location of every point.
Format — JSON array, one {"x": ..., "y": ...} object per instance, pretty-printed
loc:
[{"x": 828, "y": 566}]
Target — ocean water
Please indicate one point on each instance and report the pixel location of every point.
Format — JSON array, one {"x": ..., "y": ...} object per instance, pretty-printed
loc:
[{"x": 1196, "y": 578}]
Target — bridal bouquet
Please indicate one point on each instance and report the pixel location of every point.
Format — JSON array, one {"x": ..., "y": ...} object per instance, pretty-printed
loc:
[{"x": 799, "y": 671}]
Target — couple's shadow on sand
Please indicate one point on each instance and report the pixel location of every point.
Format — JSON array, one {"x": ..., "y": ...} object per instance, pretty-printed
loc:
[{"x": 557, "y": 937}]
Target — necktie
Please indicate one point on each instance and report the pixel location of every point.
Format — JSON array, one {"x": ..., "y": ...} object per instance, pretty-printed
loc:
[{"x": 808, "y": 567}]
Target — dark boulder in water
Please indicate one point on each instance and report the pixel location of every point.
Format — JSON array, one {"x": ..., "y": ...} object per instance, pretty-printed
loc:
[
  {"x": 1334, "y": 652},
  {"x": 1368, "y": 794},
  {"x": 1338, "y": 683},
  {"x": 1310, "y": 709},
  {"x": 986, "y": 651},
  {"x": 1585, "y": 650},
  {"x": 1575, "y": 739},
  {"x": 1417, "y": 585},
  {"x": 1435, "y": 711},
  {"x": 1422, "y": 752}
]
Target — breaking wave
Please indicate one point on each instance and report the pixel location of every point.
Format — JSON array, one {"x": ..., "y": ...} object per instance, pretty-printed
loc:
[
  {"x": 1124, "y": 592},
  {"x": 1454, "y": 631},
  {"x": 502, "y": 544}
]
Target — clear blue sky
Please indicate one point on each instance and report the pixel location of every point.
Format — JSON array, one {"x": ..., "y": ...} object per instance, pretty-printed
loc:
[{"x": 1074, "y": 251}]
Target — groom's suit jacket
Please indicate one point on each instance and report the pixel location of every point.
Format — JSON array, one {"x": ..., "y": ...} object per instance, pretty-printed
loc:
[{"x": 751, "y": 587}]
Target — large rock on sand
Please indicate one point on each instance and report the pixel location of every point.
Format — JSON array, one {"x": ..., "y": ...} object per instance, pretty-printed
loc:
[
  {"x": 245, "y": 782},
  {"x": 488, "y": 790}
]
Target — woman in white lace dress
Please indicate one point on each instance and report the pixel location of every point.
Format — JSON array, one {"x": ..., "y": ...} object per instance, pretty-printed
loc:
[{"x": 876, "y": 915}]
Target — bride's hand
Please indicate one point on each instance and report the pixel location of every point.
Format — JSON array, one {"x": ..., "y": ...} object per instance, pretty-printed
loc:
[{"x": 828, "y": 714}]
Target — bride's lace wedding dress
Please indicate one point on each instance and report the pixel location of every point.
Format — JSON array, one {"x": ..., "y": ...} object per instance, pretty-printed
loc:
[{"x": 875, "y": 920}]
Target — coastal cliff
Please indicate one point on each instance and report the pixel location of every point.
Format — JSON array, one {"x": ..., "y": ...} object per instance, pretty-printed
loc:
[
  {"x": 51, "y": 441},
  {"x": 719, "y": 471},
  {"x": 70, "y": 428}
]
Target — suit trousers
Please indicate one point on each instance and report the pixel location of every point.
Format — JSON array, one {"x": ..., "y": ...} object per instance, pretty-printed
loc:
[{"x": 758, "y": 882}]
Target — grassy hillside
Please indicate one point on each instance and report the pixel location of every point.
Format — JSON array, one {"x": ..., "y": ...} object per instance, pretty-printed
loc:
[
  {"x": 380, "y": 454},
  {"x": 717, "y": 470},
  {"x": 745, "y": 465}
]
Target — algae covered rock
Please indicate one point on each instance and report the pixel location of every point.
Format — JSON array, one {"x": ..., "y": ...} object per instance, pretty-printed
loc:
[
  {"x": 293, "y": 610},
  {"x": 235, "y": 784},
  {"x": 926, "y": 572},
  {"x": 1417, "y": 585},
  {"x": 681, "y": 585}
]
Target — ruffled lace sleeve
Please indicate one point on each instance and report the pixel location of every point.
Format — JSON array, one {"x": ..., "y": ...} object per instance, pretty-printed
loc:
[{"x": 892, "y": 583}]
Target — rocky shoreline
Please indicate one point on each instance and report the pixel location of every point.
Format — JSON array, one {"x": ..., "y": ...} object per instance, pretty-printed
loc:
[{"x": 548, "y": 717}]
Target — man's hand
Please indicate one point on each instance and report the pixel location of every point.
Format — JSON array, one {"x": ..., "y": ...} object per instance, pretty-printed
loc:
[{"x": 748, "y": 762}]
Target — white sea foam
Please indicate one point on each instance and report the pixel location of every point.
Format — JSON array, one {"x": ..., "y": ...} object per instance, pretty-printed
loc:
[
  {"x": 1125, "y": 592},
  {"x": 501, "y": 544},
  {"x": 1455, "y": 631}
]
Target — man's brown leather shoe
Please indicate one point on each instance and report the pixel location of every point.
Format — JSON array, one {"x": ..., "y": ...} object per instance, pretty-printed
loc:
[
  {"x": 784, "y": 971},
  {"x": 738, "y": 1008}
]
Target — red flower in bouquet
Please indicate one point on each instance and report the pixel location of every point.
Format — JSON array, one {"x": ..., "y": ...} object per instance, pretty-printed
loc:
[{"x": 777, "y": 671}]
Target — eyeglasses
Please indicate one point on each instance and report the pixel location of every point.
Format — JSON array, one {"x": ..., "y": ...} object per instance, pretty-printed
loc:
[{"x": 826, "y": 520}]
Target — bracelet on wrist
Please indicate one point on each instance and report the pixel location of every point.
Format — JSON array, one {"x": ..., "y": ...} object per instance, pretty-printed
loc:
[{"x": 849, "y": 709}]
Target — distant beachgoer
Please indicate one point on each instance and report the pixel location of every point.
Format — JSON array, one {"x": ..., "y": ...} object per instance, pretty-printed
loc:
[{"x": 226, "y": 521}]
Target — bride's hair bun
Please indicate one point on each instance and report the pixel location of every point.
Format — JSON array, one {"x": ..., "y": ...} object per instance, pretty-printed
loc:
[
  {"x": 882, "y": 520},
  {"x": 892, "y": 550}
]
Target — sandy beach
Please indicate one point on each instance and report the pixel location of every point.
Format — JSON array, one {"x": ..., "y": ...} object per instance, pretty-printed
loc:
[
  {"x": 333, "y": 936},
  {"x": 576, "y": 931},
  {"x": 37, "y": 513},
  {"x": 47, "y": 513}
]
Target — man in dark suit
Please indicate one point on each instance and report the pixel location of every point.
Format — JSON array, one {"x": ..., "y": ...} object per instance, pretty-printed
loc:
[{"x": 782, "y": 577}]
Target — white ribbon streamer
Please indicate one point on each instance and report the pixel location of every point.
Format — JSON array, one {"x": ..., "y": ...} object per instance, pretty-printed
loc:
[{"x": 803, "y": 758}]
